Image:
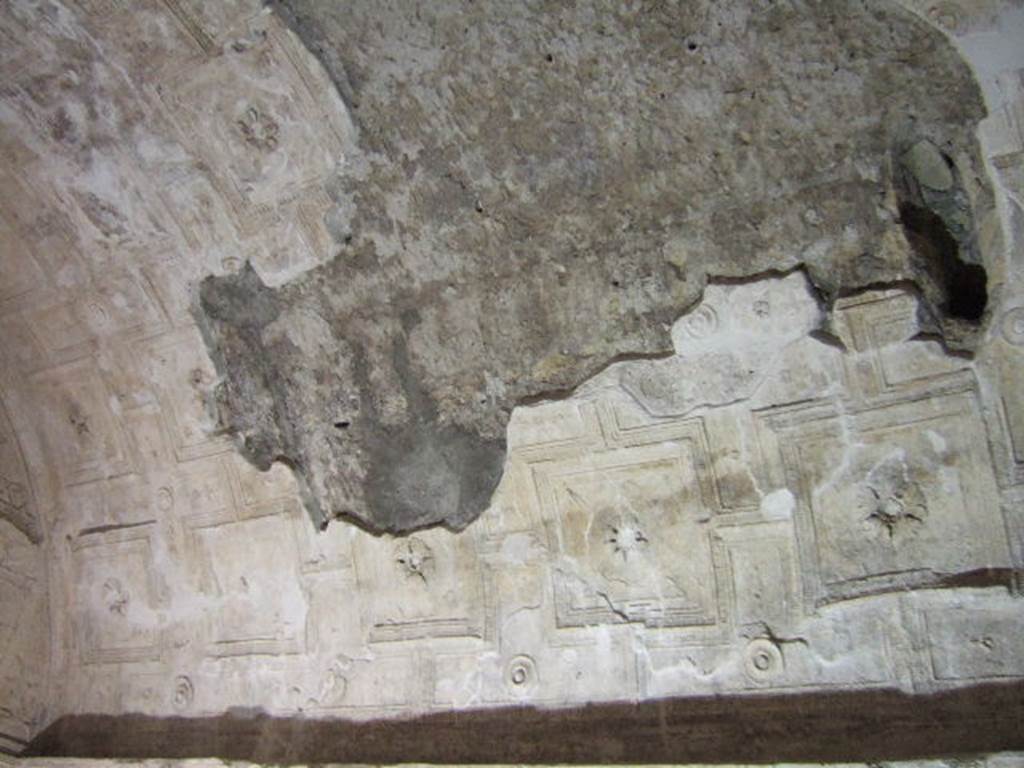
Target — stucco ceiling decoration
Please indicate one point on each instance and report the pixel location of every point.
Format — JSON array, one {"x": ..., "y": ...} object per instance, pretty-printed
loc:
[
  {"x": 531, "y": 195},
  {"x": 657, "y": 351}
]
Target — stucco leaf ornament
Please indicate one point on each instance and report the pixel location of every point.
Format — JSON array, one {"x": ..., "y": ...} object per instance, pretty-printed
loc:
[{"x": 892, "y": 500}]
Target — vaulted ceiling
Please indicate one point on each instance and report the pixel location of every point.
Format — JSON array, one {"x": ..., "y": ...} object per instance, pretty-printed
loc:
[{"x": 657, "y": 288}]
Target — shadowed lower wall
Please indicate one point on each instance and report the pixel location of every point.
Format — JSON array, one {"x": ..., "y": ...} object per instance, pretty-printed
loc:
[{"x": 848, "y": 726}]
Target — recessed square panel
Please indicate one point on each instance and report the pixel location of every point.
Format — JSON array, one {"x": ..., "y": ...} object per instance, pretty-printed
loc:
[
  {"x": 896, "y": 496},
  {"x": 116, "y": 598},
  {"x": 633, "y": 530}
]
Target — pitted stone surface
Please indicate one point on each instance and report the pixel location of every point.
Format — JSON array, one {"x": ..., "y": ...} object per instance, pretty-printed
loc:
[{"x": 534, "y": 193}]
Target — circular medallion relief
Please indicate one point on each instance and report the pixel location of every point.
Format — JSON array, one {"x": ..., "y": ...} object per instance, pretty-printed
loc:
[
  {"x": 1013, "y": 326},
  {"x": 700, "y": 323},
  {"x": 521, "y": 675},
  {"x": 763, "y": 660},
  {"x": 184, "y": 693}
]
